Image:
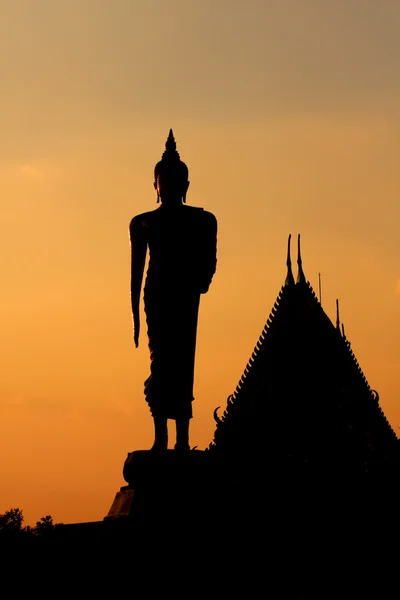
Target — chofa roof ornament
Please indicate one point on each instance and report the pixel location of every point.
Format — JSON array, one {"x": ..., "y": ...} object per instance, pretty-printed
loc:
[
  {"x": 300, "y": 274},
  {"x": 289, "y": 277}
]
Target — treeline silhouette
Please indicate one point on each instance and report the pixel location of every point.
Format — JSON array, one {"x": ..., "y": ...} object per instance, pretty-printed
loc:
[{"x": 12, "y": 527}]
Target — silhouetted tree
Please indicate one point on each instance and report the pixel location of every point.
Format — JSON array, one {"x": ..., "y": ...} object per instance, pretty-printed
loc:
[
  {"x": 11, "y": 521},
  {"x": 12, "y": 528},
  {"x": 44, "y": 527}
]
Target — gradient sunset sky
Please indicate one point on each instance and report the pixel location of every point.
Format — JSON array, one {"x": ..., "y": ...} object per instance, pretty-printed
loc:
[{"x": 287, "y": 113}]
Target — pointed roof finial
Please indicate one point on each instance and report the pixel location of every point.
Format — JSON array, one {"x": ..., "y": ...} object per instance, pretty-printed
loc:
[
  {"x": 337, "y": 316},
  {"x": 343, "y": 333},
  {"x": 289, "y": 277},
  {"x": 300, "y": 274}
]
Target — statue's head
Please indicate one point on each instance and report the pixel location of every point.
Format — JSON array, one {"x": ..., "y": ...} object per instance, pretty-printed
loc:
[{"x": 171, "y": 174}]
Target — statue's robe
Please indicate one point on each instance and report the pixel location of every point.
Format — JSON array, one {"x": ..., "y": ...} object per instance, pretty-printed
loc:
[{"x": 182, "y": 247}]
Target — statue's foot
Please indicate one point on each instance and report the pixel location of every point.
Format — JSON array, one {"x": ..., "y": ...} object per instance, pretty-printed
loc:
[{"x": 181, "y": 447}]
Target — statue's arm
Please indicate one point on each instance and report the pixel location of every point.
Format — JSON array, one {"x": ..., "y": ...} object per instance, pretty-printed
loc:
[
  {"x": 209, "y": 261},
  {"x": 138, "y": 258}
]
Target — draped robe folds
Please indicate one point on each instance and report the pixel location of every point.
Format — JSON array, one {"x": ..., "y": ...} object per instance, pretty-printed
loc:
[{"x": 182, "y": 246}]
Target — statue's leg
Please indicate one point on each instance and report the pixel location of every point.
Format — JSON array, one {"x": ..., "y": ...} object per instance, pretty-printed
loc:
[
  {"x": 182, "y": 434},
  {"x": 160, "y": 434}
]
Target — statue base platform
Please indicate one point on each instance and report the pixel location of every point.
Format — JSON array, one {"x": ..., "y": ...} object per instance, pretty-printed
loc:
[{"x": 168, "y": 486}]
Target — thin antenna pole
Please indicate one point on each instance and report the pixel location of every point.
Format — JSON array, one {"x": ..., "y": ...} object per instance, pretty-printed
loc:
[
  {"x": 337, "y": 315},
  {"x": 319, "y": 287}
]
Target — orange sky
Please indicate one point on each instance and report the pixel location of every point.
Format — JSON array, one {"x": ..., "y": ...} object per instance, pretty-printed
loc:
[{"x": 287, "y": 114}]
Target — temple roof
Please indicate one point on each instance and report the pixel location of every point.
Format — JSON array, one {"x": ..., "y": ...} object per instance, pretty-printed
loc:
[{"x": 303, "y": 397}]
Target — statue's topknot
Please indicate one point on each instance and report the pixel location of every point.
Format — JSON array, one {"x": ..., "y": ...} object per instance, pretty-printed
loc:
[
  {"x": 170, "y": 152},
  {"x": 170, "y": 160}
]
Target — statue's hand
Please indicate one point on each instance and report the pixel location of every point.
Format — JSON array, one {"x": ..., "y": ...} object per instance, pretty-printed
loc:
[{"x": 136, "y": 329}]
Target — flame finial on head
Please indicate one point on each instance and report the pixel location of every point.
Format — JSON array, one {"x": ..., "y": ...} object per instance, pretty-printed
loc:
[{"x": 170, "y": 152}]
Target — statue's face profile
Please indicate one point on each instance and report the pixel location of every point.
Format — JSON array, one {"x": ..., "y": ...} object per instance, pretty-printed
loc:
[{"x": 171, "y": 186}]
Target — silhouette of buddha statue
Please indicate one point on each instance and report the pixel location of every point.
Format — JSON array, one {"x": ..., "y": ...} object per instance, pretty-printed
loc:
[{"x": 182, "y": 244}]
